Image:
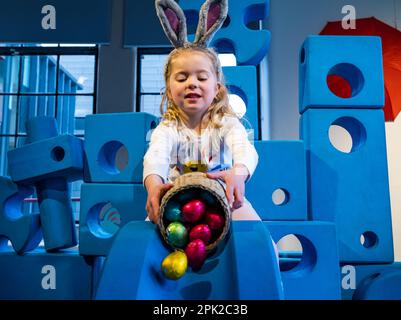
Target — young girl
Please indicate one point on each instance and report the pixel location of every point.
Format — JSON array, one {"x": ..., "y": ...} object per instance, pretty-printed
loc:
[{"x": 199, "y": 132}]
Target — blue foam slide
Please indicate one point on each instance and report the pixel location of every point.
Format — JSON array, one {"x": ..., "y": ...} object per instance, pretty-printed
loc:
[{"x": 244, "y": 266}]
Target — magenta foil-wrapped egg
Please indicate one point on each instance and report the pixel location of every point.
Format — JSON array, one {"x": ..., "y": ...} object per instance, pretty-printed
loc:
[
  {"x": 196, "y": 253},
  {"x": 214, "y": 220},
  {"x": 193, "y": 211},
  {"x": 202, "y": 232}
]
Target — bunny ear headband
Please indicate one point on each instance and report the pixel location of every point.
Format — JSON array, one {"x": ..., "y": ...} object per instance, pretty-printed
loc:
[{"x": 211, "y": 16}]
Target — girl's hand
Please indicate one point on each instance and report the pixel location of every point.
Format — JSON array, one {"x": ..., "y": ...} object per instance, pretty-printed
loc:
[
  {"x": 156, "y": 190},
  {"x": 235, "y": 184}
]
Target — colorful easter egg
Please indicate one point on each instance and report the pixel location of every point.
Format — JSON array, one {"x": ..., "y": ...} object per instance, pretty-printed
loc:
[
  {"x": 193, "y": 211},
  {"x": 202, "y": 232},
  {"x": 173, "y": 211},
  {"x": 196, "y": 253},
  {"x": 175, "y": 265},
  {"x": 177, "y": 234},
  {"x": 214, "y": 220}
]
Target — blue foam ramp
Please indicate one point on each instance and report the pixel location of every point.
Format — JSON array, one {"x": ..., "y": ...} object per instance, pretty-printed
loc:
[
  {"x": 105, "y": 209},
  {"x": 317, "y": 275},
  {"x": 355, "y": 60},
  {"x": 282, "y": 166},
  {"x": 60, "y": 156},
  {"x": 23, "y": 231},
  {"x": 38, "y": 275},
  {"x": 372, "y": 282},
  {"x": 243, "y": 267},
  {"x": 352, "y": 188},
  {"x": 242, "y": 81},
  {"x": 107, "y": 136},
  {"x": 230, "y": 38}
]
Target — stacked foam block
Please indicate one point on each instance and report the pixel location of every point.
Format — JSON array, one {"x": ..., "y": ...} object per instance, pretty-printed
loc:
[
  {"x": 341, "y": 85},
  {"x": 112, "y": 194},
  {"x": 45, "y": 165}
]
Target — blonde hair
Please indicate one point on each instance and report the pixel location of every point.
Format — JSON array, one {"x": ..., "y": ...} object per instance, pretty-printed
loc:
[{"x": 220, "y": 105}]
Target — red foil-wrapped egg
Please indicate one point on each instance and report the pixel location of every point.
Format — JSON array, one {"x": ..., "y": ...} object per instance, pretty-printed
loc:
[
  {"x": 214, "y": 220},
  {"x": 193, "y": 211},
  {"x": 202, "y": 232},
  {"x": 196, "y": 253}
]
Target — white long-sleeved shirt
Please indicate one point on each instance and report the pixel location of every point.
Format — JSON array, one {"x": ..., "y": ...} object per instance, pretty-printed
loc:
[{"x": 173, "y": 152}]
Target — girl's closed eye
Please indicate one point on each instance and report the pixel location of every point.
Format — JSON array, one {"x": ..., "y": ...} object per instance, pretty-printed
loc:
[
  {"x": 181, "y": 78},
  {"x": 203, "y": 76}
]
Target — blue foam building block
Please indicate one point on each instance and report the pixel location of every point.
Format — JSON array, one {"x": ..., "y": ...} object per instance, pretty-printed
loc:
[
  {"x": 357, "y": 60},
  {"x": 105, "y": 209},
  {"x": 106, "y": 135},
  {"x": 60, "y": 156},
  {"x": 317, "y": 275},
  {"x": 281, "y": 168},
  {"x": 49, "y": 162},
  {"x": 38, "y": 275},
  {"x": 231, "y": 37},
  {"x": 244, "y": 266},
  {"x": 371, "y": 282},
  {"x": 350, "y": 189},
  {"x": 242, "y": 81},
  {"x": 23, "y": 231}
]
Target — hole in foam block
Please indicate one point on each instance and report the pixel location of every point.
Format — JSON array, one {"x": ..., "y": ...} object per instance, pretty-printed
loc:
[
  {"x": 103, "y": 220},
  {"x": 238, "y": 105},
  {"x": 13, "y": 206},
  {"x": 280, "y": 197},
  {"x": 113, "y": 157},
  {"x": 369, "y": 239},
  {"x": 297, "y": 254},
  {"x": 345, "y": 80},
  {"x": 347, "y": 134},
  {"x": 57, "y": 154}
]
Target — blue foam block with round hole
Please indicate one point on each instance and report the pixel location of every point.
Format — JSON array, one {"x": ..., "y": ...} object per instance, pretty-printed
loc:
[
  {"x": 250, "y": 46},
  {"x": 357, "y": 60},
  {"x": 115, "y": 144},
  {"x": 55, "y": 157},
  {"x": 39, "y": 275},
  {"x": 317, "y": 275},
  {"x": 281, "y": 169},
  {"x": 242, "y": 81},
  {"x": 23, "y": 231},
  {"x": 350, "y": 188},
  {"x": 49, "y": 162},
  {"x": 105, "y": 209},
  {"x": 371, "y": 282},
  {"x": 243, "y": 266}
]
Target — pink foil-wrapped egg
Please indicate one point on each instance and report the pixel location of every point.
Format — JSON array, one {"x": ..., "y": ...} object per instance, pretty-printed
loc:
[
  {"x": 214, "y": 220},
  {"x": 202, "y": 232},
  {"x": 196, "y": 253},
  {"x": 193, "y": 211}
]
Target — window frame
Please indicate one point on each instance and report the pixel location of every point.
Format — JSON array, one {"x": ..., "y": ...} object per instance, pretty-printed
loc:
[
  {"x": 145, "y": 51},
  {"x": 23, "y": 50}
]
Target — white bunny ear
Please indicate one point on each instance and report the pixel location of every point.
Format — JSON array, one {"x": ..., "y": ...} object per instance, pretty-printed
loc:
[
  {"x": 173, "y": 21},
  {"x": 211, "y": 17}
]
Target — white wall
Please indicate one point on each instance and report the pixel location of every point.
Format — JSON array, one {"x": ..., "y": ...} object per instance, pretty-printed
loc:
[{"x": 290, "y": 22}]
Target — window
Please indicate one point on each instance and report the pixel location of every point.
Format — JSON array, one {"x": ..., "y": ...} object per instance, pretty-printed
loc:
[
  {"x": 52, "y": 80},
  {"x": 150, "y": 81}
]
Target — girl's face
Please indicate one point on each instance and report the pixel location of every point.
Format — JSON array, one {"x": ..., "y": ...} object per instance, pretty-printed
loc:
[{"x": 192, "y": 84}]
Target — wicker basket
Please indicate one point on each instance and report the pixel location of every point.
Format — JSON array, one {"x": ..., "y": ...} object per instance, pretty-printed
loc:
[{"x": 197, "y": 185}]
